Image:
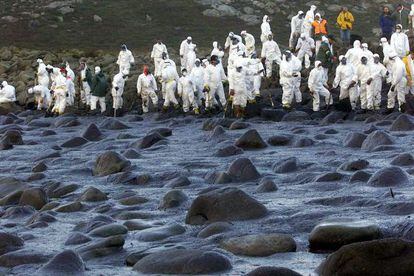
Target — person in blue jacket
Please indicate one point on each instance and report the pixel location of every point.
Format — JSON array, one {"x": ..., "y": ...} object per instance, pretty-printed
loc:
[{"x": 387, "y": 23}]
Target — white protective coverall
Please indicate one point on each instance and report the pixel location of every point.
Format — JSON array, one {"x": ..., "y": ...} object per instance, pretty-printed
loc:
[
  {"x": 256, "y": 67},
  {"x": 59, "y": 87},
  {"x": 157, "y": 50},
  {"x": 307, "y": 22},
  {"x": 213, "y": 79},
  {"x": 266, "y": 30},
  {"x": 367, "y": 53},
  {"x": 185, "y": 90},
  {"x": 42, "y": 96},
  {"x": 169, "y": 77},
  {"x": 249, "y": 42},
  {"x": 7, "y": 93},
  {"x": 184, "y": 51},
  {"x": 146, "y": 87},
  {"x": 316, "y": 86},
  {"x": 69, "y": 72},
  {"x": 118, "y": 84},
  {"x": 238, "y": 85},
  {"x": 70, "y": 97},
  {"x": 378, "y": 73},
  {"x": 344, "y": 76},
  {"x": 42, "y": 74},
  {"x": 387, "y": 50},
  {"x": 290, "y": 80},
  {"x": 191, "y": 57},
  {"x": 305, "y": 48},
  {"x": 197, "y": 77},
  {"x": 363, "y": 73},
  {"x": 354, "y": 54},
  {"x": 295, "y": 29},
  {"x": 398, "y": 83},
  {"x": 125, "y": 60},
  {"x": 166, "y": 62},
  {"x": 271, "y": 52},
  {"x": 400, "y": 44},
  {"x": 86, "y": 89}
]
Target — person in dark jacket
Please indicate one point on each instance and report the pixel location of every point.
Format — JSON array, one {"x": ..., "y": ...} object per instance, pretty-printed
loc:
[
  {"x": 99, "y": 89},
  {"x": 387, "y": 23},
  {"x": 400, "y": 16},
  {"x": 326, "y": 54}
]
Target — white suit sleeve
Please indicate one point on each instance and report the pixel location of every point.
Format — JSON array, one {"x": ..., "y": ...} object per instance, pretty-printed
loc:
[
  {"x": 337, "y": 79},
  {"x": 263, "y": 54},
  {"x": 154, "y": 84},
  {"x": 119, "y": 59},
  {"x": 278, "y": 54},
  {"x": 139, "y": 85},
  {"x": 153, "y": 52},
  {"x": 182, "y": 48},
  {"x": 223, "y": 74},
  {"x": 180, "y": 88},
  {"x": 407, "y": 44},
  {"x": 131, "y": 58}
]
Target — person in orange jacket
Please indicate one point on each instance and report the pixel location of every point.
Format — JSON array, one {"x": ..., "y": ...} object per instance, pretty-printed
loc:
[
  {"x": 320, "y": 29},
  {"x": 345, "y": 22}
]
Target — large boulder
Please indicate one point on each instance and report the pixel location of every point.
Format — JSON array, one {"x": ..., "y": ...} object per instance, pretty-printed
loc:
[
  {"x": 371, "y": 258},
  {"x": 272, "y": 271},
  {"x": 92, "y": 133},
  {"x": 102, "y": 247},
  {"x": 9, "y": 242},
  {"x": 67, "y": 262},
  {"x": 74, "y": 142},
  {"x": 403, "y": 123},
  {"x": 224, "y": 204},
  {"x": 260, "y": 245},
  {"x": 110, "y": 162},
  {"x": 13, "y": 137},
  {"x": 10, "y": 185},
  {"x": 286, "y": 165},
  {"x": 148, "y": 141},
  {"x": 109, "y": 230},
  {"x": 404, "y": 159},
  {"x": 296, "y": 116},
  {"x": 35, "y": 197},
  {"x": 354, "y": 140},
  {"x": 228, "y": 151},
  {"x": 330, "y": 236},
  {"x": 376, "y": 139},
  {"x": 113, "y": 124},
  {"x": 389, "y": 177},
  {"x": 172, "y": 199},
  {"x": 160, "y": 233},
  {"x": 183, "y": 261},
  {"x": 22, "y": 257},
  {"x": 93, "y": 194},
  {"x": 242, "y": 169},
  {"x": 279, "y": 140},
  {"x": 251, "y": 140}
]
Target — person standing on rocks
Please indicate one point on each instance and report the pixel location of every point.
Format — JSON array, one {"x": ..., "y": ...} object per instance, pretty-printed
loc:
[
  {"x": 305, "y": 48},
  {"x": 146, "y": 89},
  {"x": 326, "y": 55},
  {"x": 318, "y": 86},
  {"x": 98, "y": 90},
  {"x": 400, "y": 16},
  {"x": 42, "y": 74},
  {"x": 213, "y": 83},
  {"x": 118, "y": 84},
  {"x": 42, "y": 96},
  {"x": 320, "y": 29},
  {"x": 387, "y": 23},
  {"x": 185, "y": 90},
  {"x": 399, "y": 42},
  {"x": 170, "y": 77},
  {"x": 256, "y": 66},
  {"x": 362, "y": 77},
  {"x": 344, "y": 78},
  {"x": 7, "y": 93},
  {"x": 249, "y": 42},
  {"x": 191, "y": 57},
  {"x": 85, "y": 83},
  {"x": 290, "y": 79},
  {"x": 398, "y": 83},
  {"x": 238, "y": 89},
  {"x": 197, "y": 77},
  {"x": 345, "y": 21},
  {"x": 157, "y": 50},
  {"x": 266, "y": 29},
  {"x": 296, "y": 29},
  {"x": 125, "y": 60},
  {"x": 184, "y": 47},
  {"x": 378, "y": 74},
  {"x": 70, "y": 97},
  {"x": 307, "y": 22},
  {"x": 60, "y": 89},
  {"x": 366, "y": 52},
  {"x": 270, "y": 53}
]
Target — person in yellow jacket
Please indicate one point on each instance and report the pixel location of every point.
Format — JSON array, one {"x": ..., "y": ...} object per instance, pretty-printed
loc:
[
  {"x": 345, "y": 21},
  {"x": 409, "y": 68}
]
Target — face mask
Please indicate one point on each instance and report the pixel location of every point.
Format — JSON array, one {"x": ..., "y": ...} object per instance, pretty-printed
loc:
[
  {"x": 343, "y": 62},
  {"x": 239, "y": 69},
  {"x": 184, "y": 74},
  {"x": 197, "y": 64},
  {"x": 364, "y": 61},
  {"x": 146, "y": 71},
  {"x": 376, "y": 61},
  {"x": 398, "y": 31}
]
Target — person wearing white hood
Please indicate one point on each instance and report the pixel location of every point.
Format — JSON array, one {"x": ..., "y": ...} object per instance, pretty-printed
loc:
[
  {"x": 238, "y": 89},
  {"x": 366, "y": 52},
  {"x": 249, "y": 42},
  {"x": 344, "y": 77},
  {"x": 363, "y": 74},
  {"x": 70, "y": 72},
  {"x": 86, "y": 79},
  {"x": 398, "y": 83},
  {"x": 7, "y": 93},
  {"x": 42, "y": 74},
  {"x": 266, "y": 30},
  {"x": 305, "y": 48},
  {"x": 146, "y": 88},
  {"x": 157, "y": 50},
  {"x": 184, "y": 46},
  {"x": 236, "y": 49},
  {"x": 290, "y": 79},
  {"x": 53, "y": 72},
  {"x": 42, "y": 96},
  {"x": 354, "y": 54},
  {"x": 218, "y": 52},
  {"x": 316, "y": 84},
  {"x": 386, "y": 50},
  {"x": 213, "y": 83},
  {"x": 125, "y": 60},
  {"x": 296, "y": 29},
  {"x": 70, "y": 97},
  {"x": 118, "y": 84},
  {"x": 378, "y": 73},
  {"x": 307, "y": 22},
  {"x": 191, "y": 57},
  {"x": 271, "y": 53},
  {"x": 197, "y": 77},
  {"x": 60, "y": 89},
  {"x": 185, "y": 90},
  {"x": 170, "y": 77},
  {"x": 399, "y": 42},
  {"x": 256, "y": 66}
]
